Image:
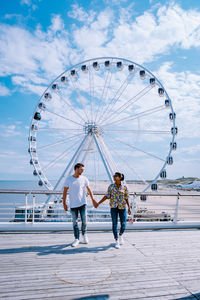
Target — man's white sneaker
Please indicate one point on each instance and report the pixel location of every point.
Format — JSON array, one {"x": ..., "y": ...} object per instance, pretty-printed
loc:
[
  {"x": 117, "y": 245},
  {"x": 85, "y": 239},
  {"x": 121, "y": 240},
  {"x": 75, "y": 243}
]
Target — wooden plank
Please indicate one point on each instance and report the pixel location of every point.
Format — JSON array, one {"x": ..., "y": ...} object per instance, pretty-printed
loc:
[{"x": 157, "y": 266}]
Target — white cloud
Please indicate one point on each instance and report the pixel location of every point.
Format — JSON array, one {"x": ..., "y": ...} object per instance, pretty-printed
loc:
[
  {"x": 13, "y": 16},
  {"x": 154, "y": 34},
  {"x": 91, "y": 38},
  {"x": 17, "y": 50},
  {"x": 77, "y": 12},
  {"x": 9, "y": 130},
  {"x": 31, "y": 84},
  {"x": 26, "y": 2},
  {"x": 57, "y": 24},
  {"x": 191, "y": 150},
  {"x": 33, "y": 57},
  {"x": 48, "y": 53},
  {"x": 30, "y": 3},
  {"x": 182, "y": 26},
  {"x": 4, "y": 91}
]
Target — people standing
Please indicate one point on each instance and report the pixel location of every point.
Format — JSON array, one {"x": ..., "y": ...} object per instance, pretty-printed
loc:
[
  {"x": 77, "y": 185},
  {"x": 118, "y": 195}
]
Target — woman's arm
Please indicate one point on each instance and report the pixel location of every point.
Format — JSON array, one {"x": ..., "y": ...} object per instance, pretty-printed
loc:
[
  {"x": 126, "y": 196},
  {"x": 129, "y": 208},
  {"x": 107, "y": 196},
  {"x": 101, "y": 201}
]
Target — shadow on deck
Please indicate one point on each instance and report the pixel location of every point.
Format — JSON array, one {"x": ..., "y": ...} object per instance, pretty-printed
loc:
[{"x": 150, "y": 265}]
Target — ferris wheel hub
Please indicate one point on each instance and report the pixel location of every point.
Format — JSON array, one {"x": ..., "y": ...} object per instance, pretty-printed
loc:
[{"x": 92, "y": 127}]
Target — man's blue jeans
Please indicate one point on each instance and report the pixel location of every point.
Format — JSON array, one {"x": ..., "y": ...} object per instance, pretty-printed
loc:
[
  {"x": 83, "y": 211},
  {"x": 114, "y": 215}
]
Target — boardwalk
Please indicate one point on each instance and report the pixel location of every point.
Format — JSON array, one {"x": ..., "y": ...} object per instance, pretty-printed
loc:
[{"x": 151, "y": 265}]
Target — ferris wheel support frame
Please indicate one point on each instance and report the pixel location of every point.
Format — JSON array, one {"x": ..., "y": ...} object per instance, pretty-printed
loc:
[
  {"x": 87, "y": 152},
  {"x": 102, "y": 152},
  {"x": 104, "y": 159},
  {"x": 64, "y": 173}
]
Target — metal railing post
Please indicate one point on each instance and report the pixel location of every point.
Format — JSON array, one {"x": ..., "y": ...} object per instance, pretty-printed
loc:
[
  {"x": 26, "y": 203},
  {"x": 176, "y": 209},
  {"x": 133, "y": 208},
  {"x": 33, "y": 218}
]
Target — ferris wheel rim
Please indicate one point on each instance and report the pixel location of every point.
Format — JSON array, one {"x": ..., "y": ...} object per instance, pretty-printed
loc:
[{"x": 97, "y": 59}]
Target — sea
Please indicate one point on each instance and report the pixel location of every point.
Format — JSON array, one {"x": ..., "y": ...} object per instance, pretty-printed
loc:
[{"x": 9, "y": 202}]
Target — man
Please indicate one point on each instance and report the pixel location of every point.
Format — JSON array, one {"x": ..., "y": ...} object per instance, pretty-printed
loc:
[{"x": 77, "y": 185}]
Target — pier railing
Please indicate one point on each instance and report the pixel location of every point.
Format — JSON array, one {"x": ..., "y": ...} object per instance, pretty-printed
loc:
[{"x": 25, "y": 210}]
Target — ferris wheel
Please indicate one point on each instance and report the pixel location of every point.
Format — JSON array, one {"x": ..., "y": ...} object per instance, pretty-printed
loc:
[{"x": 109, "y": 113}]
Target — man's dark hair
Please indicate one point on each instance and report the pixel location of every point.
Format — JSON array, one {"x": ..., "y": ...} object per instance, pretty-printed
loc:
[{"x": 77, "y": 166}]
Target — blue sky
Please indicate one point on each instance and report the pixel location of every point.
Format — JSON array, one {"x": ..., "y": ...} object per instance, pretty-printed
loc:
[{"x": 39, "y": 39}]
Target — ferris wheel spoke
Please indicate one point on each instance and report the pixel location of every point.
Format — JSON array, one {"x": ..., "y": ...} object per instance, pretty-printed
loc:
[
  {"x": 67, "y": 119},
  {"x": 106, "y": 111},
  {"x": 72, "y": 108},
  {"x": 135, "y": 98},
  {"x": 139, "y": 131},
  {"x": 128, "y": 165},
  {"x": 136, "y": 148},
  {"x": 60, "y": 156},
  {"x": 116, "y": 97},
  {"x": 141, "y": 114},
  {"x": 59, "y": 129},
  {"x": 91, "y": 83},
  {"x": 80, "y": 96},
  {"x": 104, "y": 93},
  {"x": 60, "y": 142},
  {"x": 130, "y": 102}
]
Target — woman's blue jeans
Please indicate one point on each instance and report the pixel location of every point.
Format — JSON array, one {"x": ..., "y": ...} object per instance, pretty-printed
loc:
[
  {"x": 83, "y": 213},
  {"x": 122, "y": 216}
]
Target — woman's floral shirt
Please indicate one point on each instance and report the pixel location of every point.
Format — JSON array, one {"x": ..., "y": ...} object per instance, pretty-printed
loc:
[{"x": 117, "y": 196}]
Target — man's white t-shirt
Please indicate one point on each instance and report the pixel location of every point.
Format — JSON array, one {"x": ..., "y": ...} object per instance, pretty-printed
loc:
[{"x": 76, "y": 190}]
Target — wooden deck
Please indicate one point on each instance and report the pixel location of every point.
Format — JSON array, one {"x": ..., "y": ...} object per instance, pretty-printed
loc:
[{"x": 159, "y": 264}]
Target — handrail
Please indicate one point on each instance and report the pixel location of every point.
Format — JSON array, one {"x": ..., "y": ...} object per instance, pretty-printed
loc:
[
  {"x": 27, "y": 216},
  {"x": 47, "y": 192}
]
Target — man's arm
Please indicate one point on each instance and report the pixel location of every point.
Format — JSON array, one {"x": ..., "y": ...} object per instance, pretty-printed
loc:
[
  {"x": 91, "y": 195},
  {"x": 64, "y": 198}
]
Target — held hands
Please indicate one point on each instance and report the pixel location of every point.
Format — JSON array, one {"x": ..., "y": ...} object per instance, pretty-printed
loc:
[{"x": 95, "y": 204}]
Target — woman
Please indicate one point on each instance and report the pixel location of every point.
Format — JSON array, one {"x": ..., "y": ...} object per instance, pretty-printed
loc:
[{"x": 118, "y": 195}]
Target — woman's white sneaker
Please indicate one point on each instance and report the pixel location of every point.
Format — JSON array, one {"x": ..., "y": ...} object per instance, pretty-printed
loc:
[
  {"x": 117, "y": 245},
  {"x": 75, "y": 243},
  {"x": 85, "y": 239},
  {"x": 121, "y": 240}
]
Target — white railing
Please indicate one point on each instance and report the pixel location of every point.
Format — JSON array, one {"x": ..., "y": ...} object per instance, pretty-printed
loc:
[{"x": 24, "y": 210}]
